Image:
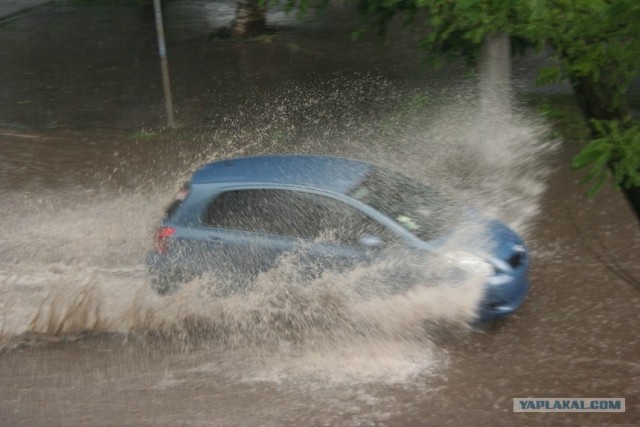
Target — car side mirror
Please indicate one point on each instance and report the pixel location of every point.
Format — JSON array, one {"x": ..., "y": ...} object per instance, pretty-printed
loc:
[{"x": 370, "y": 241}]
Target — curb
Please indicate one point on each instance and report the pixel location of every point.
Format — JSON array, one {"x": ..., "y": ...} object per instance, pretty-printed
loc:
[{"x": 23, "y": 10}]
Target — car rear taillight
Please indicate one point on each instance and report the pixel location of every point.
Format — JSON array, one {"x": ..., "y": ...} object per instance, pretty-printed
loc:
[{"x": 162, "y": 239}]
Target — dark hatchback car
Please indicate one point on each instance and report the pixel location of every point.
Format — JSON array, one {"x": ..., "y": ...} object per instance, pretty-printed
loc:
[{"x": 240, "y": 216}]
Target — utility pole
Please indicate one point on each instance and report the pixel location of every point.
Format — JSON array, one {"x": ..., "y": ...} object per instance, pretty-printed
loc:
[{"x": 162, "y": 50}]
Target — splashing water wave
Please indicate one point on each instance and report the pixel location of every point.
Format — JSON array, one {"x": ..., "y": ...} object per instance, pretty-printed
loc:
[{"x": 71, "y": 263}]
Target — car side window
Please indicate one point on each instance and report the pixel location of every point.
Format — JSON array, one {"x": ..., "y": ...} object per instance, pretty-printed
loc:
[{"x": 292, "y": 213}]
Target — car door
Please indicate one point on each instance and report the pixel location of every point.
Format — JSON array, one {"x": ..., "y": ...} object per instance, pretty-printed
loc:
[
  {"x": 241, "y": 236},
  {"x": 339, "y": 236},
  {"x": 251, "y": 230}
]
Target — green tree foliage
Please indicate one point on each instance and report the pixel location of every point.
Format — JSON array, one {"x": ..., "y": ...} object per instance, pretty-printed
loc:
[
  {"x": 596, "y": 46},
  {"x": 615, "y": 153},
  {"x": 112, "y": 2}
]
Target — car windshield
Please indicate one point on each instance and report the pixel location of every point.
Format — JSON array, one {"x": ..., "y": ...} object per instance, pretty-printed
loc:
[{"x": 421, "y": 210}]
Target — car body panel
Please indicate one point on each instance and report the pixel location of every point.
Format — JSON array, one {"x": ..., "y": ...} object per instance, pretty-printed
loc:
[
  {"x": 334, "y": 174},
  {"x": 198, "y": 248}
]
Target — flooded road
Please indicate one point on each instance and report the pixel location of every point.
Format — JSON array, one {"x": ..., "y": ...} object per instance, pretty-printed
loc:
[{"x": 85, "y": 175}]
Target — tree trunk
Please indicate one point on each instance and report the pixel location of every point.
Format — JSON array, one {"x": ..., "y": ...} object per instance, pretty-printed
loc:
[
  {"x": 633, "y": 197},
  {"x": 250, "y": 19},
  {"x": 601, "y": 99}
]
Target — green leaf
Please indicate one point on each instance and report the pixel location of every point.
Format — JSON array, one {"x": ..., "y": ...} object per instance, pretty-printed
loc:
[
  {"x": 598, "y": 184},
  {"x": 597, "y": 152},
  {"x": 356, "y": 35},
  {"x": 548, "y": 75}
]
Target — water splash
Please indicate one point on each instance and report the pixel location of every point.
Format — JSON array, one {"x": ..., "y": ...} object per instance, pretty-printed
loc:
[{"x": 72, "y": 263}]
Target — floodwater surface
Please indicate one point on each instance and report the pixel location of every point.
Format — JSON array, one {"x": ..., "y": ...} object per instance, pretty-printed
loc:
[{"x": 85, "y": 174}]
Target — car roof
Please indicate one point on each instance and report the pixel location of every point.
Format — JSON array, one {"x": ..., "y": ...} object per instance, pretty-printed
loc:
[{"x": 335, "y": 174}]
